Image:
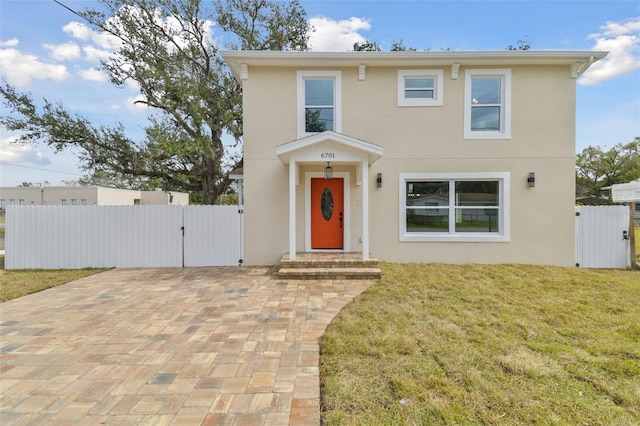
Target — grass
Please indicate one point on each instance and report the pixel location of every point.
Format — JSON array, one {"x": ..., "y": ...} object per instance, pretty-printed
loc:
[
  {"x": 18, "y": 283},
  {"x": 478, "y": 344}
]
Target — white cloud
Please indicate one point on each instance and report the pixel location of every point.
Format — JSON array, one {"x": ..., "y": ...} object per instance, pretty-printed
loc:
[
  {"x": 336, "y": 36},
  {"x": 99, "y": 38},
  {"x": 622, "y": 41},
  {"x": 100, "y": 44},
  {"x": 612, "y": 29},
  {"x": 19, "y": 69},
  {"x": 93, "y": 54},
  {"x": 93, "y": 74},
  {"x": 63, "y": 52},
  {"x": 9, "y": 43},
  {"x": 21, "y": 153},
  {"x": 133, "y": 104}
]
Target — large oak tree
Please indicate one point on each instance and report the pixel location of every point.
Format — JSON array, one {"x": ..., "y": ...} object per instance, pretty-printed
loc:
[{"x": 167, "y": 48}]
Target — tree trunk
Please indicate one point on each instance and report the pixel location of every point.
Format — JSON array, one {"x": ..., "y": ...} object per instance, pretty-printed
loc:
[{"x": 210, "y": 190}]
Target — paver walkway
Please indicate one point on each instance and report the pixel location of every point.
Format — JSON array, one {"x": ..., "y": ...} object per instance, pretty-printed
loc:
[{"x": 220, "y": 345}]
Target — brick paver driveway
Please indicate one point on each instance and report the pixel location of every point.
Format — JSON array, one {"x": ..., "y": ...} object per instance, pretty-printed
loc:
[{"x": 168, "y": 346}]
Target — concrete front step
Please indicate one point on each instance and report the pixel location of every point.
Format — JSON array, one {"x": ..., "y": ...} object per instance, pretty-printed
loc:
[
  {"x": 329, "y": 266},
  {"x": 330, "y": 273}
]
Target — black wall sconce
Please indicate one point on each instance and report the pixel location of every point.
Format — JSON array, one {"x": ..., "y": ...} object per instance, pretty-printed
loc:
[
  {"x": 328, "y": 172},
  {"x": 531, "y": 180},
  {"x": 379, "y": 180}
]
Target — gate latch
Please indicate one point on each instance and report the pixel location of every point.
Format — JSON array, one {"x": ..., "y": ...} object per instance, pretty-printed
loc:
[{"x": 625, "y": 235}]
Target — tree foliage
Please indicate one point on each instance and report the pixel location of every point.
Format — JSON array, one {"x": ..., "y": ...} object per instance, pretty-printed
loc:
[
  {"x": 372, "y": 46},
  {"x": 597, "y": 168},
  {"x": 523, "y": 44},
  {"x": 168, "y": 51}
]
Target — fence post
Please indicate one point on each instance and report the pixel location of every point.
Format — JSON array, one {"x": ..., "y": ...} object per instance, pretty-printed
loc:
[{"x": 632, "y": 238}]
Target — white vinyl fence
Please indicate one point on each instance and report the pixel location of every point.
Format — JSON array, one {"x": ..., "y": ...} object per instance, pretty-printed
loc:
[
  {"x": 68, "y": 237},
  {"x": 600, "y": 237}
]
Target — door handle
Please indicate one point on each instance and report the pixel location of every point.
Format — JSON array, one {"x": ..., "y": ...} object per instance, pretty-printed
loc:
[{"x": 340, "y": 220}]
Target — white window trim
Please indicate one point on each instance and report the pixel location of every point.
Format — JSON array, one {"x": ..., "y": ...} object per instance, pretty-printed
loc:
[
  {"x": 505, "y": 110},
  {"x": 503, "y": 211},
  {"x": 337, "y": 99},
  {"x": 438, "y": 98}
]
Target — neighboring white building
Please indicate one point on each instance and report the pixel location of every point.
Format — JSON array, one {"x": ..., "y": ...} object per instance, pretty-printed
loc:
[{"x": 87, "y": 196}]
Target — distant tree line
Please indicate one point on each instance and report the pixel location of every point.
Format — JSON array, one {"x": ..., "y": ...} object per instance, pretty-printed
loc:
[{"x": 597, "y": 168}]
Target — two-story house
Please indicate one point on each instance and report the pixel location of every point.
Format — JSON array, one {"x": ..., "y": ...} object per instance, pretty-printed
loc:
[{"x": 450, "y": 157}]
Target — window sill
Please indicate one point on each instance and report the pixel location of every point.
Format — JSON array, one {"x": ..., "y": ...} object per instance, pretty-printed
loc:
[
  {"x": 470, "y": 238},
  {"x": 420, "y": 104},
  {"x": 487, "y": 135}
]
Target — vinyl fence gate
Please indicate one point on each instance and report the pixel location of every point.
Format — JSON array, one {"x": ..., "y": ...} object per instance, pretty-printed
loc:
[
  {"x": 602, "y": 239},
  {"x": 72, "y": 237}
]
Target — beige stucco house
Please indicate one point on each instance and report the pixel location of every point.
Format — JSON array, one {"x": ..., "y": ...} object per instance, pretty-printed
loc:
[
  {"x": 451, "y": 157},
  {"x": 89, "y": 196}
]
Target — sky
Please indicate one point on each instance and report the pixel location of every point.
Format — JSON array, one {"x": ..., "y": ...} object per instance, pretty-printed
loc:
[{"x": 51, "y": 53}]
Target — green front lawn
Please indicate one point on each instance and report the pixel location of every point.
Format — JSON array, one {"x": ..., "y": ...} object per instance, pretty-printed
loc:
[
  {"x": 478, "y": 344},
  {"x": 18, "y": 283}
]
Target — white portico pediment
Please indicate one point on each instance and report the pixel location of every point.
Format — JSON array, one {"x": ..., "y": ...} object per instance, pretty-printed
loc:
[
  {"x": 329, "y": 146},
  {"x": 335, "y": 148}
]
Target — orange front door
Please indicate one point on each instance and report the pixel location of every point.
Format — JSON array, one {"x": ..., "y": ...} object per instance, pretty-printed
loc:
[{"x": 327, "y": 213}]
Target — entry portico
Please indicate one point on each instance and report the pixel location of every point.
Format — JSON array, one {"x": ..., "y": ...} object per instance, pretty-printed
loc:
[{"x": 318, "y": 151}]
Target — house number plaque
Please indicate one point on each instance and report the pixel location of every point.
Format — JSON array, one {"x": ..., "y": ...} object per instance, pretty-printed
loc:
[{"x": 328, "y": 155}]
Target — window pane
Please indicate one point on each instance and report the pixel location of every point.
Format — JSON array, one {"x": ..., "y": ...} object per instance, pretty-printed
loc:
[
  {"x": 485, "y": 118},
  {"x": 477, "y": 193},
  {"x": 419, "y": 83},
  {"x": 318, "y": 92},
  {"x": 428, "y": 220},
  {"x": 418, "y": 94},
  {"x": 427, "y": 193},
  {"x": 486, "y": 90},
  {"x": 318, "y": 119},
  {"x": 476, "y": 220}
]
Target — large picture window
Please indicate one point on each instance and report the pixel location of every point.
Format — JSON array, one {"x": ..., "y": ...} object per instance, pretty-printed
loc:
[
  {"x": 319, "y": 102},
  {"x": 454, "y": 207},
  {"x": 487, "y": 104}
]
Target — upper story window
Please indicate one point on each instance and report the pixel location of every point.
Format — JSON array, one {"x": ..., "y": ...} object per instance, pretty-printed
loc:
[
  {"x": 319, "y": 102},
  {"x": 420, "y": 87},
  {"x": 487, "y": 110},
  {"x": 462, "y": 207}
]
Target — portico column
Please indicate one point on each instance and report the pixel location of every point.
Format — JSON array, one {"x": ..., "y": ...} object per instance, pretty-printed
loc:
[
  {"x": 292, "y": 210},
  {"x": 365, "y": 210}
]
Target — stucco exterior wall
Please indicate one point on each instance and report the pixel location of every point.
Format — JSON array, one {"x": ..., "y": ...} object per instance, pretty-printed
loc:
[{"x": 419, "y": 140}]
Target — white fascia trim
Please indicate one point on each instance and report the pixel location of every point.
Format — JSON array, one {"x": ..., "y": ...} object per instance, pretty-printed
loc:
[
  {"x": 234, "y": 58},
  {"x": 504, "y": 216}
]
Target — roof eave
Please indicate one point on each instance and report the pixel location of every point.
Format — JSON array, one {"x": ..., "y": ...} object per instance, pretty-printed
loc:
[{"x": 237, "y": 58}]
